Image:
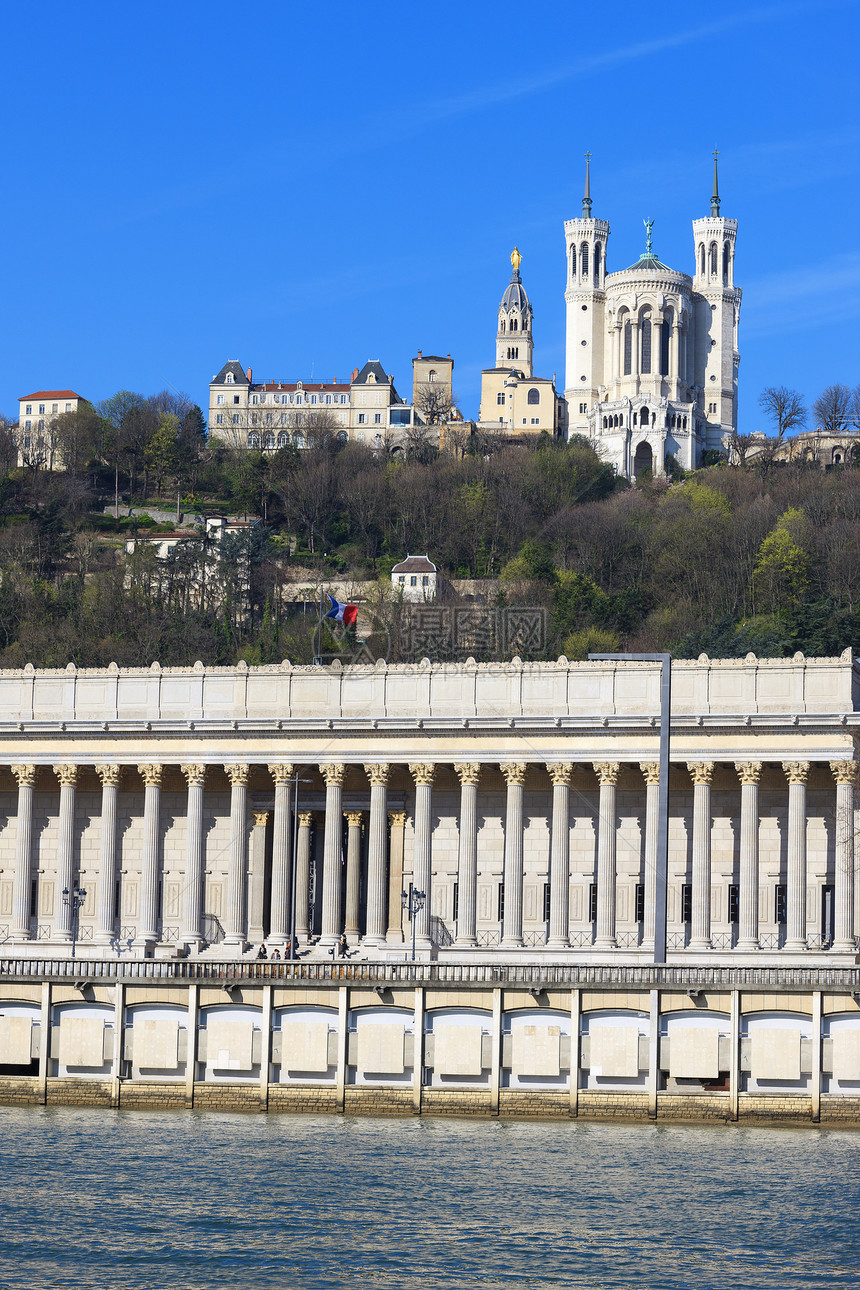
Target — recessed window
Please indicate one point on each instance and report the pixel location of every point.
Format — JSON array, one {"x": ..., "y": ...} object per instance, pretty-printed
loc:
[
  {"x": 500, "y": 397},
  {"x": 592, "y": 902},
  {"x": 640, "y": 902},
  {"x": 780, "y": 907},
  {"x": 229, "y": 380},
  {"x": 734, "y": 902},
  {"x": 686, "y": 903},
  {"x": 413, "y": 581},
  {"x": 362, "y": 419},
  {"x": 534, "y": 396}
]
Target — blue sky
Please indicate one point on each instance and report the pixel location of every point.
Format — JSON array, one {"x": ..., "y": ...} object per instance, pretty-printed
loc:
[{"x": 305, "y": 188}]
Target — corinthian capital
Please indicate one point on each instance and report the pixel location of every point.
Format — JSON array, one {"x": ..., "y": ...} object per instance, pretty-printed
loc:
[
  {"x": 651, "y": 771},
  {"x": 514, "y": 772},
  {"x": 560, "y": 772},
  {"x": 67, "y": 773},
  {"x": 377, "y": 773},
  {"x": 796, "y": 772},
  {"x": 701, "y": 772},
  {"x": 423, "y": 772},
  {"x": 237, "y": 774},
  {"x": 195, "y": 773},
  {"x": 333, "y": 773},
  {"x": 468, "y": 771},
  {"x": 607, "y": 771},
  {"x": 844, "y": 772},
  {"x": 353, "y": 819},
  {"x": 25, "y": 775},
  {"x": 151, "y": 774},
  {"x": 749, "y": 772},
  {"x": 109, "y": 774},
  {"x": 282, "y": 772}
]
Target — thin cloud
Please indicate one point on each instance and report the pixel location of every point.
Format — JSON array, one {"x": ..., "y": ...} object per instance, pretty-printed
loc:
[{"x": 799, "y": 299}]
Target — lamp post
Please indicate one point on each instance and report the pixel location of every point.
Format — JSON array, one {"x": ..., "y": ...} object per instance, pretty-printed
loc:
[
  {"x": 73, "y": 900},
  {"x": 662, "y": 875},
  {"x": 413, "y": 902}
]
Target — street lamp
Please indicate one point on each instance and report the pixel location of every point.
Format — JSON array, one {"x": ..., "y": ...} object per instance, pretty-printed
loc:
[
  {"x": 73, "y": 900},
  {"x": 413, "y": 902},
  {"x": 662, "y": 875}
]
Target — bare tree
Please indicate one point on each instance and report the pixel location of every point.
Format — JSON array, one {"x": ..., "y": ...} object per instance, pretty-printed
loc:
[
  {"x": 784, "y": 407},
  {"x": 8, "y": 444},
  {"x": 740, "y": 446},
  {"x": 832, "y": 408},
  {"x": 434, "y": 402}
]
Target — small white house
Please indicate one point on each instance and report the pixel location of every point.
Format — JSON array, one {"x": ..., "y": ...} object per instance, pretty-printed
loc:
[{"x": 415, "y": 578}]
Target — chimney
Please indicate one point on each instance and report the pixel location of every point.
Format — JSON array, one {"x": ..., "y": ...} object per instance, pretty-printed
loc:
[
  {"x": 354, "y": 375},
  {"x": 391, "y": 379},
  {"x": 249, "y": 375},
  {"x": 419, "y": 353}
]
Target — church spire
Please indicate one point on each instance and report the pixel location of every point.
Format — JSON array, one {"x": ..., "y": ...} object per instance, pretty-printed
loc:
[
  {"x": 715, "y": 197},
  {"x": 586, "y": 197}
]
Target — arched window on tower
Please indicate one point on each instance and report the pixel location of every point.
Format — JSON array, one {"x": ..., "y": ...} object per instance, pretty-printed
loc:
[
  {"x": 726, "y": 263},
  {"x": 533, "y": 396},
  {"x": 701, "y": 259},
  {"x": 645, "y": 332},
  {"x": 628, "y": 348},
  {"x": 514, "y": 324},
  {"x": 712, "y": 260},
  {"x": 643, "y": 417},
  {"x": 583, "y": 259},
  {"x": 501, "y": 326},
  {"x": 573, "y": 262},
  {"x": 597, "y": 254},
  {"x": 665, "y": 332},
  {"x": 431, "y": 375}
]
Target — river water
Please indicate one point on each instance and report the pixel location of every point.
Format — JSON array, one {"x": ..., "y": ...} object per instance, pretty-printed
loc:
[{"x": 122, "y": 1200}]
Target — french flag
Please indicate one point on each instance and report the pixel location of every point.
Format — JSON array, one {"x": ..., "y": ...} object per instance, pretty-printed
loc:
[{"x": 345, "y": 614}]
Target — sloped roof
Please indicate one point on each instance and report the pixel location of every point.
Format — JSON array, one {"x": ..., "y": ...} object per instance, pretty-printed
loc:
[
  {"x": 415, "y": 564},
  {"x": 380, "y": 376},
  {"x": 50, "y": 394},
  {"x": 238, "y": 371}
]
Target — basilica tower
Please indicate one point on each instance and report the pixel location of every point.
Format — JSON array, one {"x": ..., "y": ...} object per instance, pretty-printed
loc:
[
  {"x": 514, "y": 344},
  {"x": 585, "y": 241},
  {"x": 716, "y": 304}
]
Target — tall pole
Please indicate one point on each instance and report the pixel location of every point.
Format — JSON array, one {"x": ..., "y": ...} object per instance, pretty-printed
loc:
[{"x": 662, "y": 876}]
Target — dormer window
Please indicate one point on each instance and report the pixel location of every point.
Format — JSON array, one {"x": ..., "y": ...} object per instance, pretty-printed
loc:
[
  {"x": 370, "y": 378},
  {"x": 229, "y": 378}
]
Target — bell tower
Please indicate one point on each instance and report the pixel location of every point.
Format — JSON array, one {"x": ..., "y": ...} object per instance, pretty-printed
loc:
[
  {"x": 514, "y": 344},
  {"x": 585, "y": 297},
  {"x": 716, "y": 305}
]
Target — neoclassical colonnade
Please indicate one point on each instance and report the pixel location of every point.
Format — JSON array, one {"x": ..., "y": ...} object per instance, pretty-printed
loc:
[{"x": 380, "y": 872}]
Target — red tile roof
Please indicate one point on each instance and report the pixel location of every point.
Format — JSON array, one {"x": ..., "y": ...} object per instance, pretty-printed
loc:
[{"x": 50, "y": 394}]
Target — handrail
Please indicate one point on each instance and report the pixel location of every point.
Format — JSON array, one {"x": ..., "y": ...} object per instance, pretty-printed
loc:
[{"x": 647, "y": 976}]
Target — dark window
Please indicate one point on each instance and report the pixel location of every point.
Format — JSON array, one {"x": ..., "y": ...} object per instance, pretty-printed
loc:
[
  {"x": 546, "y": 901},
  {"x": 584, "y": 259},
  {"x": 456, "y": 909},
  {"x": 533, "y": 396},
  {"x": 734, "y": 902},
  {"x": 779, "y": 903},
  {"x": 628, "y": 348},
  {"x": 686, "y": 903},
  {"x": 646, "y": 345},
  {"x": 592, "y": 902},
  {"x": 665, "y": 333},
  {"x": 597, "y": 264},
  {"x": 640, "y": 902},
  {"x": 501, "y": 913},
  {"x": 34, "y": 897},
  {"x": 643, "y": 417}
]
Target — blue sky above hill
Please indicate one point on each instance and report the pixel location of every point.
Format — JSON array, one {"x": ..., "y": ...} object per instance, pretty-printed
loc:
[{"x": 307, "y": 188}]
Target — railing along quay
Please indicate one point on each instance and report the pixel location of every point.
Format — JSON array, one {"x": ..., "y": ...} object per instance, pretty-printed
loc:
[{"x": 456, "y": 974}]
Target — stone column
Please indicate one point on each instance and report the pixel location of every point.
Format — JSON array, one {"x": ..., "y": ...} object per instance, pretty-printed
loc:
[
  {"x": 303, "y": 871},
  {"x": 422, "y": 866},
  {"x": 377, "y": 845},
  {"x": 651, "y": 772},
  {"x": 845, "y": 774},
  {"x": 191, "y": 929},
  {"x": 674, "y": 353},
  {"x": 467, "y": 857},
  {"x": 750, "y": 775},
  {"x": 333, "y": 773},
  {"x": 106, "y": 890},
  {"x": 636, "y": 354},
  {"x": 147, "y": 930},
  {"x": 68, "y": 777},
  {"x": 397, "y": 821},
  {"x": 280, "y": 912},
  {"x": 256, "y": 918},
  {"x": 353, "y": 876},
  {"x": 235, "y": 929},
  {"x": 607, "y": 775},
  {"x": 23, "y": 876},
  {"x": 701, "y": 773},
  {"x": 796, "y": 773},
  {"x": 559, "y": 856},
  {"x": 512, "y": 922}
]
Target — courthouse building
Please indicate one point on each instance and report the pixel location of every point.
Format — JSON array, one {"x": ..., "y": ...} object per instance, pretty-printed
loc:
[{"x": 199, "y": 811}]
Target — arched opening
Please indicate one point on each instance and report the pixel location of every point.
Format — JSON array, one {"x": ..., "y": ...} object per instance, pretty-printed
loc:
[
  {"x": 533, "y": 396},
  {"x": 701, "y": 259},
  {"x": 283, "y": 440},
  {"x": 583, "y": 257},
  {"x": 268, "y": 439},
  {"x": 712, "y": 265},
  {"x": 514, "y": 324},
  {"x": 628, "y": 348},
  {"x": 727, "y": 253},
  {"x": 634, "y": 418},
  {"x": 643, "y": 460},
  {"x": 431, "y": 375},
  {"x": 645, "y": 333},
  {"x": 253, "y": 439},
  {"x": 501, "y": 326},
  {"x": 573, "y": 261},
  {"x": 643, "y": 417},
  {"x": 229, "y": 378},
  {"x": 597, "y": 255}
]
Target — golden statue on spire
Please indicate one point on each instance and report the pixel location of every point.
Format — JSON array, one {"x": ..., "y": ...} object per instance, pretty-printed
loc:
[{"x": 516, "y": 260}]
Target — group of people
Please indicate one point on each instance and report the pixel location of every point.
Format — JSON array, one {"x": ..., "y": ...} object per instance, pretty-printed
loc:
[{"x": 340, "y": 950}]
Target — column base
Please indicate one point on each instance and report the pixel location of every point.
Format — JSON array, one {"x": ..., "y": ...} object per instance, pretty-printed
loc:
[
  {"x": 846, "y": 945},
  {"x": 512, "y": 943},
  {"x": 558, "y": 943},
  {"x": 465, "y": 943},
  {"x": 748, "y": 943},
  {"x": 394, "y": 938},
  {"x": 699, "y": 943},
  {"x": 606, "y": 943},
  {"x": 235, "y": 943},
  {"x": 795, "y": 943},
  {"x": 373, "y": 942}
]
